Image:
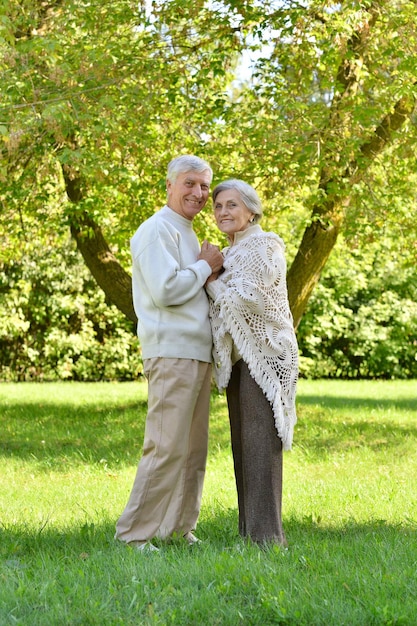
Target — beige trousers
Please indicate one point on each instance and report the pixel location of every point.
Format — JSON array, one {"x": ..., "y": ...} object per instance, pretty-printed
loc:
[{"x": 166, "y": 494}]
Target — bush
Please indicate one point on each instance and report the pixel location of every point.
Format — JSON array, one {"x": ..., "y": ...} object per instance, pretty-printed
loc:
[
  {"x": 362, "y": 319},
  {"x": 55, "y": 323}
]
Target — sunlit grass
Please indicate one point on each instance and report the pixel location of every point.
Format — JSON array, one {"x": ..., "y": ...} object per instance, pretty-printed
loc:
[{"x": 68, "y": 457}]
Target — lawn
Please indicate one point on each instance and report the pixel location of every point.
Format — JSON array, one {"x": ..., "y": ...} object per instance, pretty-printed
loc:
[{"x": 68, "y": 457}]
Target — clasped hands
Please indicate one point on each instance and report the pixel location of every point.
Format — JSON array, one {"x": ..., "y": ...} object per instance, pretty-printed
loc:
[{"x": 211, "y": 253}]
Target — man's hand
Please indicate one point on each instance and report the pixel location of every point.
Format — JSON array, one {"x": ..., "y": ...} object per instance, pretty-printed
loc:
[{"x": 212, "y": 255}]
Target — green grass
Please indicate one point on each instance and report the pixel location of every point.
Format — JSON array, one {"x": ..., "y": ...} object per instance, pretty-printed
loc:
[{"x": 68, "y": 458}]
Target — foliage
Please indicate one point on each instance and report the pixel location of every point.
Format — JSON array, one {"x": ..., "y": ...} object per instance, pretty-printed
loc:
[
  {"x": 111, "y": 91},
  {"x": 104, "y": 92},
  {"x": 362, "y": 320},
  {"x": 311, "y": 102},
  {"x": 68, "y": 457},
  {"x": 56, "y": 324}
]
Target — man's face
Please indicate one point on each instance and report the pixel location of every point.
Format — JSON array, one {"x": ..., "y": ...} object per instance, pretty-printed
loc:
[{"x": 189, "y": 193}]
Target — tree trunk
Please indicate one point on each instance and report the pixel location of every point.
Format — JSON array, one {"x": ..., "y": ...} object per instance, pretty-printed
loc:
[
  {"x": 304, "y": 273},
  {"x": 107, "y": 271},
  {"x": 328, "y": 211},
  {"x": 320, "y": 236}
]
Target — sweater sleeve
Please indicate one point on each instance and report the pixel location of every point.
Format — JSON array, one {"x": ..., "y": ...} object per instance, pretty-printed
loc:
[
  {"x": 215, "y": 288},
  {"x": 158, "y": 259}
]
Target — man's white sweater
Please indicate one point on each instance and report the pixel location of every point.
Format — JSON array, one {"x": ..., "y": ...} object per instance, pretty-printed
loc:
[{"x": 168, "y": 294}]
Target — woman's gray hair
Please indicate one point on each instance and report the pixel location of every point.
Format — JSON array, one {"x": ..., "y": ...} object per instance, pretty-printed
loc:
[
  {"x": 248, "y": 194},
  {"x": 187, "y": 163}
]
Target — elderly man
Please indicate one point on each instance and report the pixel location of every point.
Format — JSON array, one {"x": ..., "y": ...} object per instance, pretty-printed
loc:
[{"x": 169, "y": 273}]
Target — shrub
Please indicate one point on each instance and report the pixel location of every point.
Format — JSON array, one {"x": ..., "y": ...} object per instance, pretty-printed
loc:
[
  {"x": 55, "y": 323},
  {"x": 362, "y": 319}
]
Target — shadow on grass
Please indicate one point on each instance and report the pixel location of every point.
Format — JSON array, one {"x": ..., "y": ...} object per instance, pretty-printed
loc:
[
  {"x": 355, "y": 403},
  {"x": 85, "y": 575},
  {"x": 362, "y": 422},
  {"x": 17, "y": 540},
  {"x": 89, "y": 433},
  {"x": 22, "y": 544},
  {"x": 51, "y": 435}
]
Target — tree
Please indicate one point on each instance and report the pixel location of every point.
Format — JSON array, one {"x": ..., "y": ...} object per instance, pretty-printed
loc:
[
  {"x": 334, "y": 94},
  {"x": 96, "y": 97}
]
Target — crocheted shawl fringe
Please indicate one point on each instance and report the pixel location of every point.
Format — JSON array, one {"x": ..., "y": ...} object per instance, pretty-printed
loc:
[
  {"x": 282, "y": 407},
  {"x": 227, "y": 328}
]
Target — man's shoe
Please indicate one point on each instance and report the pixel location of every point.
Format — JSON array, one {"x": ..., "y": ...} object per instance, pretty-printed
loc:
[
  {"x": 143, "y": 546},
  {"x": 191, "y": 539}
]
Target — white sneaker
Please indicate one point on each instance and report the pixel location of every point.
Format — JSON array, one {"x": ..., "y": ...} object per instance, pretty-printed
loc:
[
  {"x": 191, "y": 539},
  {"x": 143, "y": 546}
]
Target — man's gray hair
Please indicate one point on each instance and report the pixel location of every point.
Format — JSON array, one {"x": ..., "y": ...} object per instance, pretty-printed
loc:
[
  {"x": 248, "y": 194},
  {"x": 187, "y": 163}
]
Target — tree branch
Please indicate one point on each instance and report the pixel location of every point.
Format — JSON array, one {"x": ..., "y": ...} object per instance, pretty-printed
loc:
[{"x": 329, "y": 208}]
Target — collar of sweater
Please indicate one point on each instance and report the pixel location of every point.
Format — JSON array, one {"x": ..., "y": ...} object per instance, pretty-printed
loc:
[
  {"x": 175, "y": 218},
  {"x": 255, "y": 229}
]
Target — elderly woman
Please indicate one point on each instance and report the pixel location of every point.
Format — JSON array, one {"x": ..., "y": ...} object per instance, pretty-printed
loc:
[{"x": 255, "y": 356}]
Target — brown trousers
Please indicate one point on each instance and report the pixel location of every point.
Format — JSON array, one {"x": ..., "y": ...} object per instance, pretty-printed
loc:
[
  {"x": 166, "y": 494},
  {"x": 257, "y": 456}
]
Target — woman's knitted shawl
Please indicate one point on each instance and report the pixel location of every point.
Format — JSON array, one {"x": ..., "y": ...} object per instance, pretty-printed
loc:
[{"x": 249, "y": 306}]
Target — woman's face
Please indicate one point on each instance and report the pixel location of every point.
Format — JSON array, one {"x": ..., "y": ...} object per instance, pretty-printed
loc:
[{"x": 230, "y": 212}]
